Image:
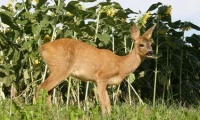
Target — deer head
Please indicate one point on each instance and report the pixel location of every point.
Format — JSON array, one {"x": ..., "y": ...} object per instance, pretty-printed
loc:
[{"x": 142, "y": 43}]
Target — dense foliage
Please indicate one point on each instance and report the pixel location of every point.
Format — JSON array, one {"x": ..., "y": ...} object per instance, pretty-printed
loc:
[{"x": 172, "y": 76}]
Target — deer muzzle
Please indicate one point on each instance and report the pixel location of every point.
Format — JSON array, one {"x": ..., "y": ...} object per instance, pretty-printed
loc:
[{"x": 149, "y": 53}]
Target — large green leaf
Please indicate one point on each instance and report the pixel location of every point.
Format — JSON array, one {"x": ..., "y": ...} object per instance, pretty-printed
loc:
[
  {"x": 170, "y": 42},
  {"x": 166, "y": 18},
  {"x": 194, "y": 26},
  {"x": 71, "y": 7},
  {"x": 194, "y": 40},
  {"x": 28, "y": 45},
  {"x": 162, "y": 10},
  {"x": 129, "y": 11},
  {"x": 75, "y": 28},
  {"x": 21, "y": 22},
  {"x": 163, "y": 30},
  {"x": 5, "y": 8},
  {"x": 36, "y": 29},
  {"x": 40, "y": 3},
  {"x": 110, "y": 21},
  {"x": 6, "y": 19},
  {"x": 89, "y": 30},
  {"x": 175, "y": 24},
  {"x": 105, "y": 38},
  {"x": 3, "y": 41},
  {"x": 154, "y": 6}
]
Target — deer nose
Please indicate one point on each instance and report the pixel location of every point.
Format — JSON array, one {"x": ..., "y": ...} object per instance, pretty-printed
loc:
[{"x": 149, "y": 53}]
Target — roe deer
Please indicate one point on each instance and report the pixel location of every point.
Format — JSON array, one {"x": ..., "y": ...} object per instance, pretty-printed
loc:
[{"x": 66, "y": 57}]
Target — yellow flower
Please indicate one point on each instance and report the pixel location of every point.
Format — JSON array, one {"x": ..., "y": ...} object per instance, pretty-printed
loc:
[
  {"x": 169, "y": 10},
  {"x": 47, "y": 38},
  {"x": 109, "y": 10},
  {"x": 186, "y": 28},
  {"x": 10, "y": 3},
  {"x": 143, "y": 19},
  {"x": 164, "y": 11},
  {"x": 36, "y": 62}
]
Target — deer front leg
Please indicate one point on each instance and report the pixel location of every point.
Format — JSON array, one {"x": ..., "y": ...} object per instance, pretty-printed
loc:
[{"x": 103, "y": 97}]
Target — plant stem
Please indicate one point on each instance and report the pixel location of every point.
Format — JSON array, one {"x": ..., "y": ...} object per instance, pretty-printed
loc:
[
  {"x": 115, "y": 95},
  {"x": 86, "y": 96},
  {"x": 129, "y": 92},
  {"x": 129, "y": 89},
  {"x": 54, "y": 96},
  {"x": 2, "y": 95},
  {"x": 180, "y": 77},
  {"x": 156, "y": 70},
  {"x": 181, "y": 69},
  {"x": 163, "y": 97},
  {"x": 113, "y": 39},
  {"x": 68, "y": 91},
  {"x": 140, "y": 100},
  {"x": 78, "y": 89},
  {"x": 97, "y": 25},
  {"x": 169, "y": 80},
  {"x": 45, "y": 73},
  {"x": 32, "y": 79}
]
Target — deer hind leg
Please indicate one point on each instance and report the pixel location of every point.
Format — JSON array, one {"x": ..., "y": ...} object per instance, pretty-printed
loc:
[
  {"x": 103, "y": 98},
  {"x": 107, "y": 102},
  {"x": 53, "y": 80}
]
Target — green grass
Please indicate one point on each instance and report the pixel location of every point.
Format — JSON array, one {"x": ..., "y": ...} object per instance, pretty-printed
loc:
[{"x": 10, "y": 110}]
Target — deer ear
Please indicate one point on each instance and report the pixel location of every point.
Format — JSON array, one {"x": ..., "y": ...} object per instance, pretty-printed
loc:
[
  {"x": 135, "y": 32},
  {"x": 149, "y": 32}
]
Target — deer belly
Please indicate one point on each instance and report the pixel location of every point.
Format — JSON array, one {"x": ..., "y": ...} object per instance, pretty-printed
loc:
[{"x": 82, "y": 75}]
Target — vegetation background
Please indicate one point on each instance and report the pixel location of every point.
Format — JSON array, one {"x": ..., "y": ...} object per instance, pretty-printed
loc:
[{"x": 167, "y": 86}]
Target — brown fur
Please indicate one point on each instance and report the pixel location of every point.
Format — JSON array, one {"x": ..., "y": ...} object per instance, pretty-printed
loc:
[{"x": 66, "y": 57}]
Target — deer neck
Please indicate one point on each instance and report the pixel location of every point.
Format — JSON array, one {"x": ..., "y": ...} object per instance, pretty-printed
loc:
[{"x": 130, "y": 62}]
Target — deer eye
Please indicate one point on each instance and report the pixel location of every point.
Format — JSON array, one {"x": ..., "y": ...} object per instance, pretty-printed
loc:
[{"x": 141, "y": 45}]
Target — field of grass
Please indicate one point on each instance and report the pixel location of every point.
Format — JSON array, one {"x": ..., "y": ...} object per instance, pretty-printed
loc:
[{"x": 10, "y": 110}]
